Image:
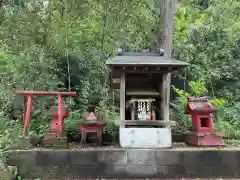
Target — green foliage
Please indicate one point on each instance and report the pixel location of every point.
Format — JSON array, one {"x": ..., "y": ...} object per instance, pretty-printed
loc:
[
  {"x": 198, "y": 88},
  {"x": 229, "y": 129},
  {"x": 9, "y": 131}
]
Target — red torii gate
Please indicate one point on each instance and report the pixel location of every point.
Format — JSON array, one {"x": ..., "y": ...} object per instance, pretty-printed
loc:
[{"x": 43, "y": 93}]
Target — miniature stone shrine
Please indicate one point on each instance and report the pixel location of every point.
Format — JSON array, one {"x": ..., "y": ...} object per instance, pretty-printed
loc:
[
  {"x": 53, "y": 133},
  {"x": 200, "y": 110},
  {"x": 140, "y": 77}
]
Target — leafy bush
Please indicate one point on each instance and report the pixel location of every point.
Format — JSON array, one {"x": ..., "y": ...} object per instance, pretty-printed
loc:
[{"x": 10, "y": 130}]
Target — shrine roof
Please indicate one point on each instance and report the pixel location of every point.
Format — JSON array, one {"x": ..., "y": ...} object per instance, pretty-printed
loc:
[{"x": 144, "y": 59}]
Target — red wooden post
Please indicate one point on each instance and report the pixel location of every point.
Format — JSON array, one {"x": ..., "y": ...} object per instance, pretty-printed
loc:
[
  {"x": 24, "y": 106},
  {"x": 28, "y": 115},
  {"x": 60, "y": 113}
]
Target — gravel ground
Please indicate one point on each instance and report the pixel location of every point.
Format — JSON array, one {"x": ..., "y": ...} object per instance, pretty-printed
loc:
[
  {"x": 147, "y": 179},
  {"x": 175, "y": 146}
]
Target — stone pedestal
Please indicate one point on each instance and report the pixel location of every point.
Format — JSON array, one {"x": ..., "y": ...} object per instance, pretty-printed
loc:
[
  {"x": 145, "y": 137},
  {"x": 52, "y": 139},
  {"x": 205, "y": 139}
]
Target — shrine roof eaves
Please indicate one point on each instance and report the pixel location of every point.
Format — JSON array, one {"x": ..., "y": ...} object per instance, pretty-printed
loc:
[{"x": 145, "y": 58}]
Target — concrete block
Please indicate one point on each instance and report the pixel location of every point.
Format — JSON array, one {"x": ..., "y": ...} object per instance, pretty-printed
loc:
[
  {"x": 218, "y": 171},
  {"x": 145, "y": 137},
  {"x": 142, "y": 171},
  {"x": 141, "y": 157},
  {"x": 230, "y": 157},
  {"x": 52, "y": 157},
  {"x": 114, "y": 172},
  {"x": 162, "y": 171},
  {"x": 84, "y": 172},
  {"x": 165, "y": 157},
  {"x": 21, "y": 158},
  {"x": 114, "y": 158},
  {"x": 197, "y": 169},
  {"x": 43, "y": 172},
  {"x": 94, "y": 172},
  {"x": 188, "y": 156},
  {"x": 79, "y": 158},
  {"x": 210, "y": 157},
  {"x": 171, "y": 172}
]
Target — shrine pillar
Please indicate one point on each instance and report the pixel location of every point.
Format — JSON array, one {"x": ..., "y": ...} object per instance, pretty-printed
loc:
[
  {"x": 122, "y": 97},
  {"x": 165, "y": 96}
]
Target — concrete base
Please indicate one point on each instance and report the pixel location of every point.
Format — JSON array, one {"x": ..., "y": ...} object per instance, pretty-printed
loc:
[
  {"x": 145, "y": 137},
  {"x": 117, "y": 163}
]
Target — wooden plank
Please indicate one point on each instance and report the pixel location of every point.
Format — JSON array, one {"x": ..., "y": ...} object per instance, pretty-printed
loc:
[
  {"x": 122, "y": 97},
  {"x": 141, "y": 93},
  {"x": 140, "y": 99},
  {"x": 165, "y": 86},
  {"x": 116, "y": 80},
  {"x": 91, "y": 123},
  {"x": 147, "y": 122},
  {"x": 45, "y": 93},
  {"x": 115, "y": 86},
  {"x": 156, "y": 71}
]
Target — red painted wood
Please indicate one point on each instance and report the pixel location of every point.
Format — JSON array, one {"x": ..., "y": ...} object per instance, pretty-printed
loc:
[
  {"x": 96, "y": 127},
  {"x": 60, "y": 119},
  {"x": 45, "y": 93},
  {"x": 55, "y": 124},
  {"x": 28, "y": 115}
]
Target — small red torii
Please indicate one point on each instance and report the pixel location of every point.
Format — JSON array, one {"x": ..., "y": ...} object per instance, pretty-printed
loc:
[{"x": 43, "y": 93}]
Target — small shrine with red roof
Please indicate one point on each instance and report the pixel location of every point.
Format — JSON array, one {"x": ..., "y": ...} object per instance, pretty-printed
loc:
[{"x": 200, "y": 110}]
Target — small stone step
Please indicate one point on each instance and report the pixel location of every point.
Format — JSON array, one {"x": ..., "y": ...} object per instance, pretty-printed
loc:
[{"x": 55, "y": 142}]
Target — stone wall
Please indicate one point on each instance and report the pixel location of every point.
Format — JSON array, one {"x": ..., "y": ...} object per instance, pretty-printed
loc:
[{"x": 126, "y": 163}]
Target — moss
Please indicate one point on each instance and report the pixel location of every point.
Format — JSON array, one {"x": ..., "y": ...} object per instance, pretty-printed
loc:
[
  {"x": 10, "y": 172},
  {"x": 47, "y": 172},
  {"x": 21, "y": 143},
  {"x": 234, "y": 143}
]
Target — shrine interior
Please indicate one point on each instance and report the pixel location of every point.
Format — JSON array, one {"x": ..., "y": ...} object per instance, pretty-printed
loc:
[{"x": 143, "y": 86}]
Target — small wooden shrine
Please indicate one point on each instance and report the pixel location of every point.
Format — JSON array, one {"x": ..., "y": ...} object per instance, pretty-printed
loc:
[
  {"x": 93, "y": 123},
  {"x": 141, "y": 78},
  {"x": 200, "y": 110}
]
